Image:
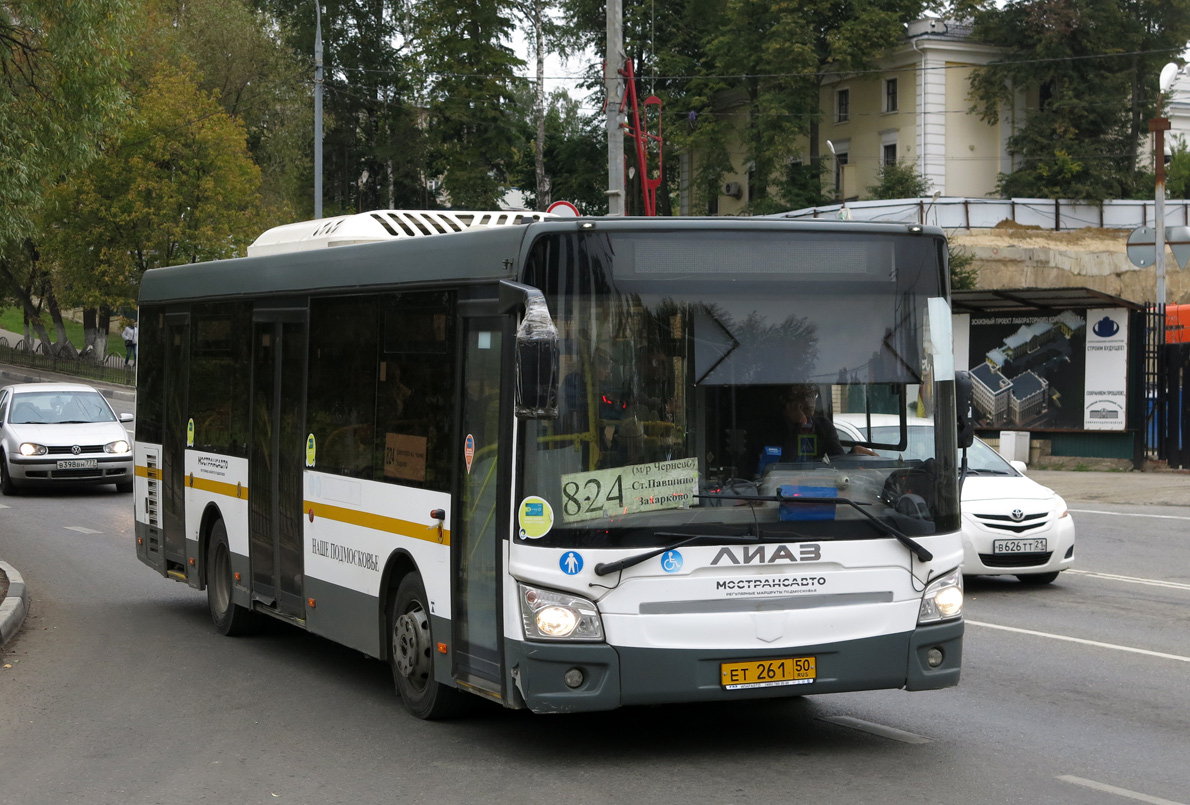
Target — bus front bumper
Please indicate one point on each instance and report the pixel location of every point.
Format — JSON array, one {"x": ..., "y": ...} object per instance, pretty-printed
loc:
[{"x": 613, "y": 676}]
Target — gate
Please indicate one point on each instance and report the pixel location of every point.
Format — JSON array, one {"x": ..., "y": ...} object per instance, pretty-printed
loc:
[{"x": 1167, "y": 370}]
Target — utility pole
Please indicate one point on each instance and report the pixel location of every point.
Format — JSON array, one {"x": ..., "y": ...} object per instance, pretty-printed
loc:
[
  {"x": 318, "y": 109},
  {"x": 614, "y": 85}
]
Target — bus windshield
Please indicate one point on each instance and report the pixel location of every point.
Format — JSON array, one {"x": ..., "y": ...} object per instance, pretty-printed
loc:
[{"x": 700, "y": 380}]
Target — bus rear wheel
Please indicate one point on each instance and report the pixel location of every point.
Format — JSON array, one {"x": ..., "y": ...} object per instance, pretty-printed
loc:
[
  {"x": 229, "y": 618},
  {"x": 412, "y": 654}
]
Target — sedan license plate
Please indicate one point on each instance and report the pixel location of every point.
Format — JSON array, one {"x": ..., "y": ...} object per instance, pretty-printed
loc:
[
  {"x": 78, "y": 464},
  {"x": 1038, "y": 545},
  {"x": 768, "y": 673}
]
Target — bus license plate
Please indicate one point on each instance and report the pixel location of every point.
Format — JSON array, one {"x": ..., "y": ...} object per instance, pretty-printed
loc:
[
  {"x": 767, "y": 673},
  {"x": 1019, "y": 545},
  {"x": 77, "y": 464}
]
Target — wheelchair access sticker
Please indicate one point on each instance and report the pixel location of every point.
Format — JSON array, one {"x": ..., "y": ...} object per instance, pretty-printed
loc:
[
  {"x": 535, "y": 518},
  {"x": 671, "y": 561}
]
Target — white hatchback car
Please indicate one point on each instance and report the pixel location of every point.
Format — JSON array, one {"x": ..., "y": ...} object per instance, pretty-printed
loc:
[
  {"x": 61, "y": 434},
  {"x": 1012, "y": 525}
]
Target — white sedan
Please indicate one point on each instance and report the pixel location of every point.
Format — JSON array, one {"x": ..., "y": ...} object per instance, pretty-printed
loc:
[
  {"x": 1012, "y": 525},
  {"x": 61, "y": 433}
]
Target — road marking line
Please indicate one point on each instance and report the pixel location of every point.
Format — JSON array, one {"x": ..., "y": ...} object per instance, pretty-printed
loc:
[
  {"x": 1095, "y": 643},
  {"x": 81, "y": 529},
  {"x": 1131, "y": 514},
  {"x": 1175, "y": 585},
  {"x": 1111, "y": 789},
  {"x": 2, "y": 506},
  {"x": 877, "y": 729}
]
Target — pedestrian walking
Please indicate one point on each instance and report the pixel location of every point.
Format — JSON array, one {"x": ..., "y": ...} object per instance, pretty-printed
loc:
[{"x": 131, "y": 331}]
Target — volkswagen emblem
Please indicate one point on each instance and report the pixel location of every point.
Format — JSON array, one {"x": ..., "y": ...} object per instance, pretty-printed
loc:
[
  {"x": 76, "y": 449},
  {"x": 1018, "y": 515}
]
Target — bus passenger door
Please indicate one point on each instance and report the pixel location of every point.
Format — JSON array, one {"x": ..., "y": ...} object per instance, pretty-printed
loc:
[
  {"x": 173, "y": 437},
  {"x": 276, "y": 462},
  {"x": 477, "y": 535}
]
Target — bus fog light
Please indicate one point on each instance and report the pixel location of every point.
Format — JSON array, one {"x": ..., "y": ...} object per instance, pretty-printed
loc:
[
  {"x": 574, "y": 678},
  {"x": 550, "y": 615},
  {"x": 942, "y": 599},
  {"x": 934, "y": 657}
]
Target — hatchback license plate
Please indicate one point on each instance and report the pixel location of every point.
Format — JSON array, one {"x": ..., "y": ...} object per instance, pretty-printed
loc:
[
  {"x": 768, "y": 673},
  {"x": 78, "y": 464},
  {"x": 1020, "y": 545}
]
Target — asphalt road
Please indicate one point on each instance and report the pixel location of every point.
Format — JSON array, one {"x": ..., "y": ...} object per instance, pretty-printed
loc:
[{"x": 119, "y": 691}]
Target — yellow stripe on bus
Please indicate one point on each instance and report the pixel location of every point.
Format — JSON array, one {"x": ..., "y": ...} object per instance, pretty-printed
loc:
[
  {"x": 218, "y": 487},
  {"x": 378, "y": 522},
  {"x": 153, "y": 474}
]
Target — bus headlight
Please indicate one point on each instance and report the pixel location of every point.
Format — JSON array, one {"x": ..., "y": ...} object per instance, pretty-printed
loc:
[
  {"x": 550, "y": 615},
  {"x": 943, "y": 598},
  {"x": 30, "y": 449}
]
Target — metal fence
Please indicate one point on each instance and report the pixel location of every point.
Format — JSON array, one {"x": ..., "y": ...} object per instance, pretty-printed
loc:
[
  {"x": 66, "y": 360},
  {"x": 1167, "y": 403},
  {"x": 985, "y": 213}
]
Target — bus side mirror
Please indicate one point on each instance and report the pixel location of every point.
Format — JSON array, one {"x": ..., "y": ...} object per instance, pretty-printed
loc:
[
  {"x": 537, "y": 353},
  {"x": 966, "y": 416}
]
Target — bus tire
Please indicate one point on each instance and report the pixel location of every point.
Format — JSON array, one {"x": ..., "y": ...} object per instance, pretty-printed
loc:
[
  {"x": 229, "y": 618},
  {"x": 411, "y": 654}
]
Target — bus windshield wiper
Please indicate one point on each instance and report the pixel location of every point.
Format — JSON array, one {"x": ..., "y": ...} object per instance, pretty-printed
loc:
[
  {"x": 604, "y": 568},
  {"x": 918, "y": 550}
]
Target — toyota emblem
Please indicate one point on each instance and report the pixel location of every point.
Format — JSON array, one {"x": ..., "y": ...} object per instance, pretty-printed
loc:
[
  {"x": 1018, "y": 515},
  {"x": 76, "y": 449}
]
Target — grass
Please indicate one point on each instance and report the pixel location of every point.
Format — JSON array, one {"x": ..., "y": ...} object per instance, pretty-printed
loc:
[{"x": 12, "y": 320}]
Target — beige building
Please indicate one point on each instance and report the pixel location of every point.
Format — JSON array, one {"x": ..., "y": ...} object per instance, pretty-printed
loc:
[{"x": 914, "y": 108}]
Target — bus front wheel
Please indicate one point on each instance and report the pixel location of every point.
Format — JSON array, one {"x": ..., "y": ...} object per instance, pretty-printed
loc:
[
  {"x": 412, "y": 654},
  {"x": 229, "y": 618}
]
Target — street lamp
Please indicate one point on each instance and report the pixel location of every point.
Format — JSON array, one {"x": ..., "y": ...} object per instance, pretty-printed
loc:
[
  {"x": 318, "y": 109},
  {"x": 842, "y": 180},
  {"x": 1159, "y": 125}
]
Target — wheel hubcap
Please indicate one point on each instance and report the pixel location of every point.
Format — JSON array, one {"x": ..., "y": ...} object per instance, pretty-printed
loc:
[{"x": 411, "y": 646}]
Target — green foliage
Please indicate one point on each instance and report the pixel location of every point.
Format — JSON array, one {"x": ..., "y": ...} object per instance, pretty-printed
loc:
[
  {"x": 963, "y": 274},
  {"x": 60, "y": 69},
  {"x": 1177, "y": 172},
  {"x": 177, "y": 186},
  {"x": 899, "y": 180},
  {"x": 472, "y": 124},
  {"x": 575, "y": 158},
  {"x": 1087, "y": 115},
  {"x": 257, "y": 79}
]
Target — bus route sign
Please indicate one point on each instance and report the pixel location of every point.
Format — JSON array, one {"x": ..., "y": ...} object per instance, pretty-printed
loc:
[{"x": 624, "y": 490}]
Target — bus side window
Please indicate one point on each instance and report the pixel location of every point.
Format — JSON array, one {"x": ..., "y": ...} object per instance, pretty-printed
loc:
[
  {"x": 415, "y": 381},
  {"x": 342, "y": 388}
]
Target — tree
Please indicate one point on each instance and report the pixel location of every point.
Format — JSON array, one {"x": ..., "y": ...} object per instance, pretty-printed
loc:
[
  {"x": 575, "y": 157},
  {"x": 899, "y": 180},
  {"x": 60, "y": 70},
  {"x": 241, "y": 57},
  {"x": 1092, "y": 67},
  {"x": 472, "y": 116},
  {"x": 176, "y": 186},
  {"x": 375, "y": 141}
]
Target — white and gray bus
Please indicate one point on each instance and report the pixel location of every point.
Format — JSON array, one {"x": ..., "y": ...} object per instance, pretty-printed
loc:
[{"x": 564, "y": 464}]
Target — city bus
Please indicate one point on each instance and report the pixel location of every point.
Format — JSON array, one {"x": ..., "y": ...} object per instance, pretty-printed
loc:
[{"x": 557, "y": 463}]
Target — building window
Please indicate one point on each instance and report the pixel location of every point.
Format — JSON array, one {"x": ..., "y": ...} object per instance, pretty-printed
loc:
[
  {"x": 840, "y": 161},
  {"x": 890, "y": 154},
  {"x": 890, "y": 95},
  {"x": 842, "y": 106}
]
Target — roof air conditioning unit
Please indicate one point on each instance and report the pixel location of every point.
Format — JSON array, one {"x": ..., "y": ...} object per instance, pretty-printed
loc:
[{"x": 733, "y": 189}]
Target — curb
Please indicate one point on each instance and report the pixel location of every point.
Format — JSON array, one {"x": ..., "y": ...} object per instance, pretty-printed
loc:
[{"x": 14, "y": 606}]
